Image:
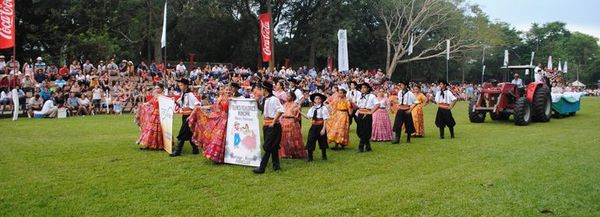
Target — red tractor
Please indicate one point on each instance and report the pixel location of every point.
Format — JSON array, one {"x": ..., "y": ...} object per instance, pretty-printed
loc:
[{"x": 530, "y": 103}]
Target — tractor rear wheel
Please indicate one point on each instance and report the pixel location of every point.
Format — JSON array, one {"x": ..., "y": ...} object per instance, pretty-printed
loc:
[
  {"x": 522, "y": 112},
  {"x": 542, "y": 104},
  {"x": 475, "y": 116}
]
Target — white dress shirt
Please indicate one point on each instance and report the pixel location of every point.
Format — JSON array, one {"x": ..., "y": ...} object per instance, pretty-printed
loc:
[
  {"x": 382, "y": 103},
  {"x": 272, "y": 107},
  {"x": 353, "y": 95},
  {"x": 322, "y": 112},
  {"x": 407, "y": 98},
  {"x": 518, "y": 82},
  {"x": 48, "y": 106},
  {"x": 189, "y": 101},
  {"x": 366, "y": 102},
  {"x": 448, "y": 97}
]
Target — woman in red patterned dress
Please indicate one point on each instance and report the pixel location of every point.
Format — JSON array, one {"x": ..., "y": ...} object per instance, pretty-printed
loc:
[
  {"x": 149, "y": 120},
  {"x": 292, "y": 144},
  {"x": 213, "y": 138}
]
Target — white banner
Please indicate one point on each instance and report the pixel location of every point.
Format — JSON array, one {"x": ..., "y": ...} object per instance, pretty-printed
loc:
[
  {"x": 448, "y": 49},
  {"x": 166, "y": 107},
  {"x": 505, "y": 58},
  {"x": 343, "y": 65},
  {"x": 550, "y": 65},
  {"x": 15, "y": 98},
  {"x": 242, "y": 146},
  {"x": 163, "y": 38}
]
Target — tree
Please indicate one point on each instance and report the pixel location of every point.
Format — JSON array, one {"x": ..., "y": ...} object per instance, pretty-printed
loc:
[{"x": 425, "y": 20}]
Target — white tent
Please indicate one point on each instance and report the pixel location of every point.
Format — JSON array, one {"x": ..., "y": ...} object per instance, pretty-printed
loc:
[{"x": 577, "y": 84}]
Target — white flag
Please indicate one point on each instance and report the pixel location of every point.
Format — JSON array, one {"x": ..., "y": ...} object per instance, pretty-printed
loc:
[
  {"x": 549, "y": 66},
  {"x": 411, "y": 45},
  {"x": 559, "y": 66},
  {"x": 448, "y": 49},
  {"x": 505, "y": 57},
  {"x": 566, "y": 68},
  {"x": 532, "y": 57},
  {"x": 163, "y": 39}
]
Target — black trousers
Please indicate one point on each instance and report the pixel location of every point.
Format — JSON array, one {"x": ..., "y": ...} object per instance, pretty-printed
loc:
[
  {"x": 314, "y": 136},
  {"x": 272, "y": 137},
  {"x": 364, "y": 125},
  {"x": 403, "y": 119},
  {"x": 185, "y": 133},
  {"x": 444, "y": 118}
]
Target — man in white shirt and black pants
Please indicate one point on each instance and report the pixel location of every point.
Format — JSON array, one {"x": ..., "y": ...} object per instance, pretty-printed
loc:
[
  {"x": 406, "y": 102},
  {"x": 353, "y": 95},
  {"x": 272, "y": 110},
  {"x": 364, "y": 118},
  {"x": 318, "y": 114},
  {"x": 186, "y": 102},
  {"x": 445, "y": 100}
]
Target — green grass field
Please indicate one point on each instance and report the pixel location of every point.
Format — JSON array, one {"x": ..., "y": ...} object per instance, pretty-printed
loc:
[{"x": 90, "y": 166}]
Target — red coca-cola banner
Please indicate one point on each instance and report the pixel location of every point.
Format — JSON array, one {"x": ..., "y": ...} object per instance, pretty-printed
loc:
[
  {"x": 265, "y": 36},
  {"x": 7, "y": 24}
]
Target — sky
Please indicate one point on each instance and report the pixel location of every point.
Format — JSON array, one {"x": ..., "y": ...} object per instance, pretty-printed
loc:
[{"x": 579, "y": 15}]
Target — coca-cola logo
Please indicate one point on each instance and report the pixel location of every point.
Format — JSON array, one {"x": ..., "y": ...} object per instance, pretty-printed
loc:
[
  {"x": 265, "y": 31},
  {"x": 6, "y": 19}
]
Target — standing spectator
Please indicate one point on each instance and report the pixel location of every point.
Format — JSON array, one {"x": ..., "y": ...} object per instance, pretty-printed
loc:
[
  {"x": 112, "y": 68},
  {"x": 87, "y": 67},
  {"x": 97, "y": 98},
  {"x": 39, "y": 65},
  {"x": 3, "y": 68},
  {"x": 13, "y": 65},
  {"x": 28, "y": 67}
]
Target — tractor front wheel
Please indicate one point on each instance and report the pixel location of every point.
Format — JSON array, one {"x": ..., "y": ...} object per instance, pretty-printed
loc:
[
  {"x": 522, "y": 112},
  {"x": 542, "y": 104},
  {"x": 475, "y": 116}
]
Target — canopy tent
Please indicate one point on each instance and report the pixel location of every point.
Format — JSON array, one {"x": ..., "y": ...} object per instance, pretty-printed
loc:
[{"x": 577, "y": 84}]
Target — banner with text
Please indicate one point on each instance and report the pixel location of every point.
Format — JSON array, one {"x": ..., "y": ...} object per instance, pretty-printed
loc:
[
  {"x": 166, "y": 108},
  {"x": 242, "y": 145},
  {"x": 343, "y": 65},
  {"x": 265, "y": 36},
  {"x": 7, "y": 19}
]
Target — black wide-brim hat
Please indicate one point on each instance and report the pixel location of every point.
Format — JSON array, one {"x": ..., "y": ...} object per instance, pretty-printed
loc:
[
  {"x": 267, "y": 85},
  {"x": 360, "y": 86},
  {"x": 403, "y": 82},
  {"x": 236, "y": 85},
  {"x": 312, "y": 97},
  {"x": 443, "y": 82},
  {"x": 184, "y": 81}
]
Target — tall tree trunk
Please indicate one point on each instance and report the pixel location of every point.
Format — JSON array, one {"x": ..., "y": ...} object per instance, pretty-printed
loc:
[{"x": 312, "y": 53}]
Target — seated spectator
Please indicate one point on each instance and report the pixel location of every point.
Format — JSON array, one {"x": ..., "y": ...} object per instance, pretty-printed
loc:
[
  {"x": 85, "y": 106},
  {"x": 60, "y": 82},
  {"x": 35, "y": 104},
  {"x": 73, "y": 104},
  {"x": 5, "y": 99}
]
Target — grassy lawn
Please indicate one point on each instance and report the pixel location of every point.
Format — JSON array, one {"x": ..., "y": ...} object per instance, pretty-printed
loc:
[{"x": 91, "y": 166}]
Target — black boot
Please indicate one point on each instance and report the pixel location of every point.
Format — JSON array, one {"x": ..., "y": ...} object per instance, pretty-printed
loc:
[
  {"x": 408, "y": 138},
  {"x": 263, "y": 164},
  {"x": 195, "y": 149},
  {"x": 361, "y": 148},
  {"x": 451, "y": 132},
  {"x": 324, "y": 154},
  {"x": 310, "y": 156},
  {"x": 178, "y": 148},
  {"x": 368, "y": 147},
  {"x": 276, "y": 165},
  {"x": 441, "y": 133},
  {"x": 396, "y": 139}
]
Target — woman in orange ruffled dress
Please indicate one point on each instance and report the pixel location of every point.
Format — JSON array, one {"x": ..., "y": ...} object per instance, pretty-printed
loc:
[
  {"x": 149, "y": 120},
  {"x": 417, "y": 112},
  {"x": 292, "y": 142},
  {"x": 338, "y": 125}
]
